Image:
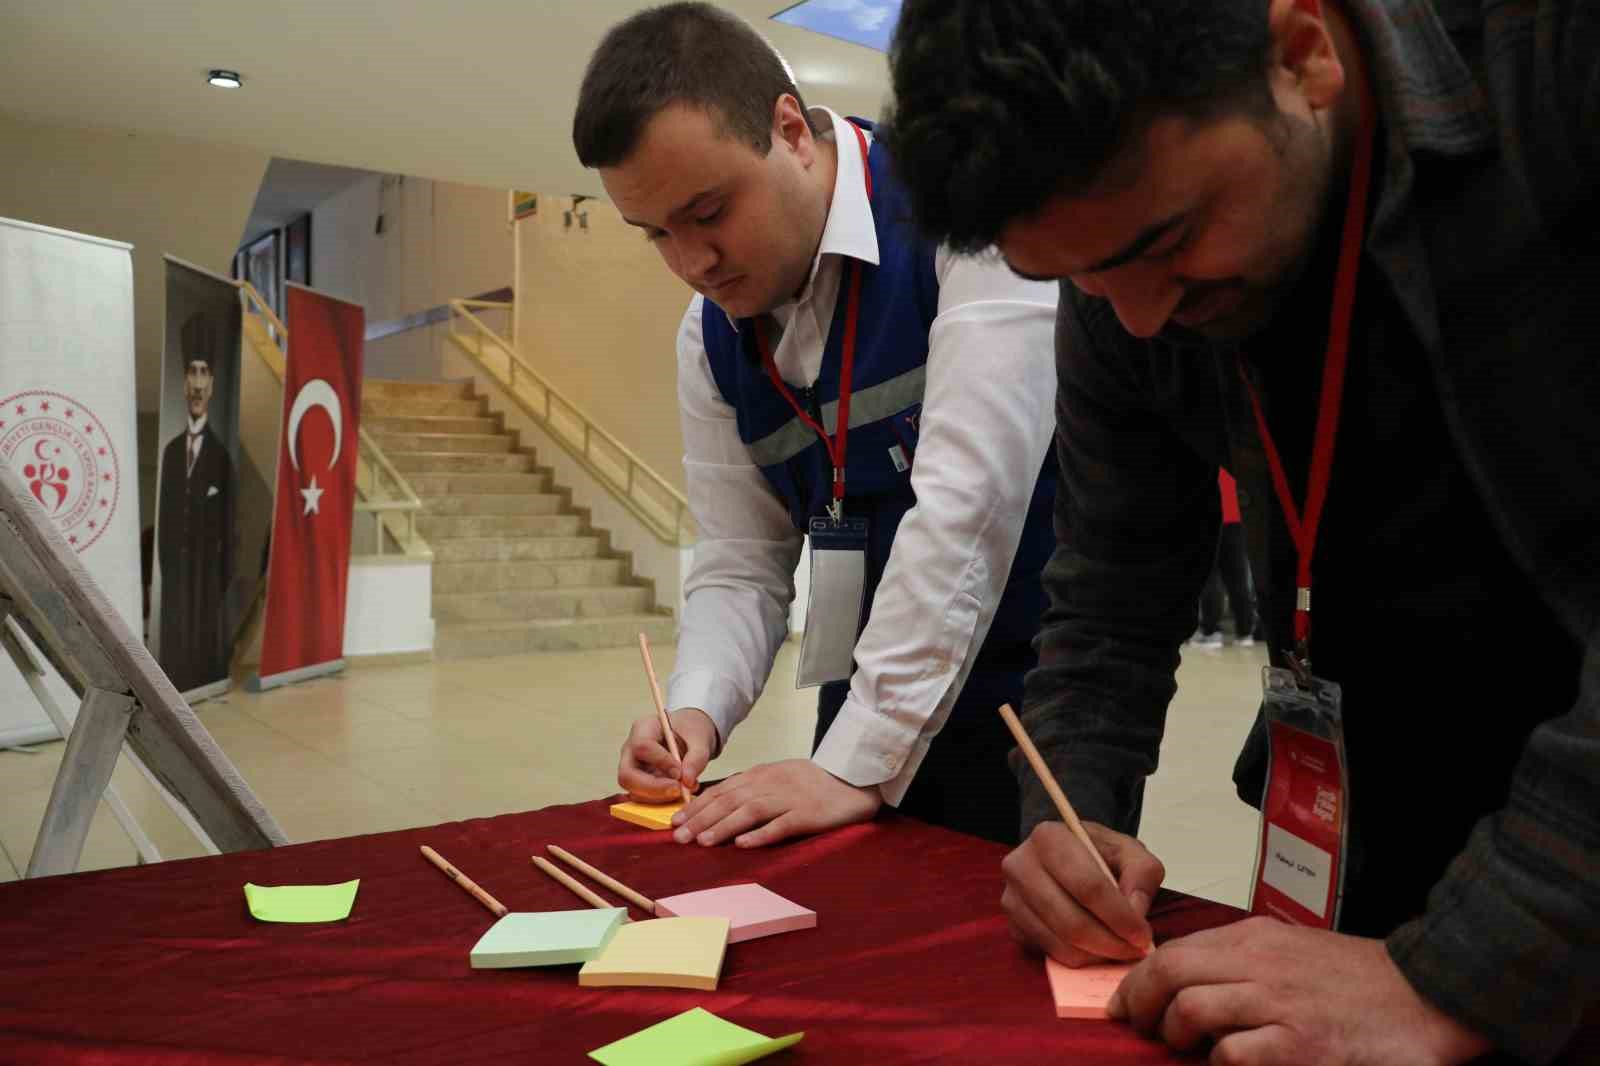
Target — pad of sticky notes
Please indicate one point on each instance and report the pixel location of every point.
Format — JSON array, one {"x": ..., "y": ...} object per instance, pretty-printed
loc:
[
  {"x": 301, "y": 903},
  {"x": 1084, "y": 991},
  {"x": 661, "y": 953},
  {"x": 694, "y": 1038},
  {"x": 649, "y": 815},
  {"x": 546, "y": 938},
  {"x": 752, "y": 911}
]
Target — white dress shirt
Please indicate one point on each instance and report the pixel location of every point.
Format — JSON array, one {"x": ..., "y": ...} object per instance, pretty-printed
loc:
[
  {"x": 988, "y": 416},
  {"x": 194, "y": 441}
]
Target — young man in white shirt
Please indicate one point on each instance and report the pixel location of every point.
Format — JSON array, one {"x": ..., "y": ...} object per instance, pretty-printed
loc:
[{"x": 816, "y": 295}]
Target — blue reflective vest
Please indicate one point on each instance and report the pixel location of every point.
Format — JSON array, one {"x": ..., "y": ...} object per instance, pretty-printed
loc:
[{"x": 899, "y": 301}]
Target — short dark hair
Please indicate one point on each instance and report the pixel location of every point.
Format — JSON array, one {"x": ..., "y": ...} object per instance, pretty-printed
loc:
[
  {"x": 690, "y": 54},
  {"x": 1001, "y": 105}
]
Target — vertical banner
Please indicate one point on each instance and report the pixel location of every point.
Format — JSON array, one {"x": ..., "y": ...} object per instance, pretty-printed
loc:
[
  {"x": 309, "y": 561},
  {"x": 67, "y": 423},
  {"x": 194, "y": 612}
]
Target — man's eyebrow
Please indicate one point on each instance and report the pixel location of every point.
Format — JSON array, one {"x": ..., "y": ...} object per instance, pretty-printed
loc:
[
  {"x": 1137, "y": 247},
  {"x": 694, "y": 201}
]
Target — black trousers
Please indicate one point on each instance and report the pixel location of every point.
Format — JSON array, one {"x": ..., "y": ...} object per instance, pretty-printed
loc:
[
  {"x": 1231, "y": 570},
  {"x": 965, "y": 782}
]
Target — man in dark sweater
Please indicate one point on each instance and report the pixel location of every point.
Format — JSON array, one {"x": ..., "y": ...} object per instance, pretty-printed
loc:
[{"x": 1190, "y": 170}]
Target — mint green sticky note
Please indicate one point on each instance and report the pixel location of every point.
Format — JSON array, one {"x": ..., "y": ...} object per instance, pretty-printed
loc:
[
  {"x": 694, "y": 1038},
  {"x": 301, "y": 903},
  {"x": 546, "y": 938}
]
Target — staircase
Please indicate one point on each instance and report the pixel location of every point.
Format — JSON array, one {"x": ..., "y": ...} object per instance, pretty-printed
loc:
[{"x": 516, "y": 567}]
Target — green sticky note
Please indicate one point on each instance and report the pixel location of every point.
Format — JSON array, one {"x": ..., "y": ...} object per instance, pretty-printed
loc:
[
  {"x": 546, "y": 938},
  {"x": 301, "y": 903},
  {"x": 694, "y": 1038}
]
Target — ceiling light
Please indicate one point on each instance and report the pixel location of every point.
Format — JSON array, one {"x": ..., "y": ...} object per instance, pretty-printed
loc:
[{"x": 225, "y": 79}]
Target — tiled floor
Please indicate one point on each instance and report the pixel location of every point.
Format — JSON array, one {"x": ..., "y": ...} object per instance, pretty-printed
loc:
[{"x": 385, "y": 748}]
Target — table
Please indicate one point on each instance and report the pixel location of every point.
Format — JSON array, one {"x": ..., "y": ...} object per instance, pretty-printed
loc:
[{"x": 910, "y": 962}]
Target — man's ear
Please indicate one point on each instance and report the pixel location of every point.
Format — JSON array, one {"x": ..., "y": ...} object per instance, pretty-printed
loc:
[
  {"x": 790, "y": 127},
  {"x": 1304, "y": 58}
]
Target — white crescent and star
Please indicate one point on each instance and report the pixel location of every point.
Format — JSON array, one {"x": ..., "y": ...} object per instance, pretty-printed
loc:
[{"x": 314, "y": 393}]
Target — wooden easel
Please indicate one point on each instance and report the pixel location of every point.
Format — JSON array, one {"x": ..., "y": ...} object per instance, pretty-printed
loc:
[{"x": 47, "y": 594}]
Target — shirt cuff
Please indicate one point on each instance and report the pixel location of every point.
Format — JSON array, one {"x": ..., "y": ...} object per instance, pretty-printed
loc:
[
  {"x": 711, "y": 693},
  {"x": 865, "y": 749}
]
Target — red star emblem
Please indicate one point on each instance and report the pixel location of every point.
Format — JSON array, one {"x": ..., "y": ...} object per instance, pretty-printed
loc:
[
  {"x": 102, "y": 451},
  {"x": 72, "y": 540},
  {"x": 44, "y": 405},
  {"x": 88, "y": 429},
  {"x": 102, "y": 503},
  {"x": 70, "y": 412},
  {"x": 106, "y": 477},
  {"x": 91, "y": 525},
  {"x": 21, "y": 410}
]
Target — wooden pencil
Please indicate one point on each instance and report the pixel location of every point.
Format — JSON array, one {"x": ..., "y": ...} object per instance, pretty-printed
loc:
[
  {"x": 578, "y": 889},
  {"x": 465, "y": 882},
  {"x": 661, "y": 710},
  {"x": 638, "y": 899}
]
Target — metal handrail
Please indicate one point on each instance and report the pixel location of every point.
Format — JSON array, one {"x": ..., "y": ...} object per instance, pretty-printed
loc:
[
  {"x": 395, "y": 505},
  {"x": 649, "y": 496}
]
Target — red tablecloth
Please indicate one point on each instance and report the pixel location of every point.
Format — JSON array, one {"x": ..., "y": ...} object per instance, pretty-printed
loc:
[{"x": 910, "y": 962}]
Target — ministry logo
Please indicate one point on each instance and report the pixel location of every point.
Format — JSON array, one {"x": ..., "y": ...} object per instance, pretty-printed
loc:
[{"x": 63, "y": 454}]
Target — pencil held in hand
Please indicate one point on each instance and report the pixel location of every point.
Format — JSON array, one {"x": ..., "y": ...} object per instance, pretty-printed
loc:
[
  {"x": 661, "y": 713},
  {"x": 1063, "y": 805}
]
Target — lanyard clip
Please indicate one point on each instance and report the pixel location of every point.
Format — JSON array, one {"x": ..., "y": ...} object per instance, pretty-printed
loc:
[
  {"x": 836, "y": 511},
  {"x": 1300, "y": 663}
]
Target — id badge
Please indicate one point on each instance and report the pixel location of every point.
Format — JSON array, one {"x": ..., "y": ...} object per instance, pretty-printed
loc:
[
  {"x": 833, "y": 613},
  {"x": 1305, "y": 809}
]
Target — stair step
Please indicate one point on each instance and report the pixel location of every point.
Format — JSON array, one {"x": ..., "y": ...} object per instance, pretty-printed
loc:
[
  {"x": 423, "y": 406},
  {"x": 527, "y": 574},
  {"x": 467, "y": 639},
  {"x": 529, "y": 605},
  {"x": 389, "y": 388},
  {"x": 434, "y": 485},
  {"x": 464, "y": 462},
  {"x": 501, "y": 549},
  {"x": 482, "y": 503},
  {"x": 446, "y": 527},
  {"x": 376, "y": 424},
  {"x": 455, "y": 443}
]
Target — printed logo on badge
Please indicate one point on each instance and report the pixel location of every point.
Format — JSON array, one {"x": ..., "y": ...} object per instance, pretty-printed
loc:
[{"x": 62, "y": 452}]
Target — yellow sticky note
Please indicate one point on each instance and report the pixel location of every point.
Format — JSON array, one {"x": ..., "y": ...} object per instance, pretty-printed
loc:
[
  {"x": 301, "y": 903},
  {"x": 649, "y": 815},
  {"x": 661, "y": 953}
]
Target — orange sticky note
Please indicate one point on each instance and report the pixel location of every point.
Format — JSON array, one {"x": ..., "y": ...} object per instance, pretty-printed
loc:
[
  {"x": 649, "y": 815},
  {"x": 1083, "y": 992}
]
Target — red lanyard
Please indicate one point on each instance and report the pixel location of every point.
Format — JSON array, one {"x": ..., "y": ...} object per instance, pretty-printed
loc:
[
  {"x": 1303, "y": 527},
  {"x": 837, "y": 445}
]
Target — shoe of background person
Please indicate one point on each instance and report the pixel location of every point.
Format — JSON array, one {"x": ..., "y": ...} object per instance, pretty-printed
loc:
[
  {"x": 1212, "y": 639},
  {"x": 1246, "y": 641}
]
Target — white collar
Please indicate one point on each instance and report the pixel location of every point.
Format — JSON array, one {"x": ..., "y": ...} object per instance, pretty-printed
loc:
[
  {"x": 850, "y": 230},
  {"x": 198, "y": 425}
]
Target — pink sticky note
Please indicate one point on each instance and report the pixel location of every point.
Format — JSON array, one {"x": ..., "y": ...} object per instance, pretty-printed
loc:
[
  {"x": 1084, "y": 992},
  {"x": 753, "y": 911}
]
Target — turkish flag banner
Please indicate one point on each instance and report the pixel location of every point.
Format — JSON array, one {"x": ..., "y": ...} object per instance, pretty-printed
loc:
[{"x": 313, "y": 507}]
